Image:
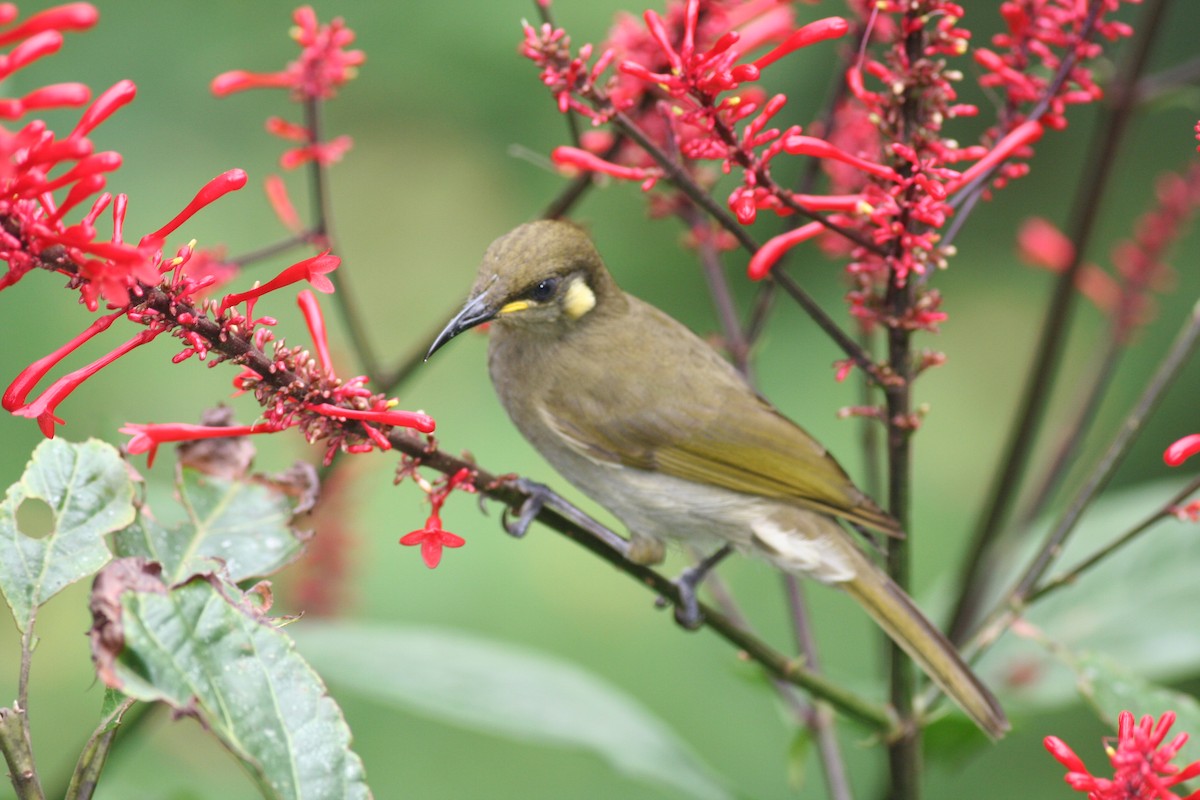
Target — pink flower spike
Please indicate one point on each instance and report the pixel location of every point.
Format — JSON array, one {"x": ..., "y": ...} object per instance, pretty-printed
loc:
[
  {"x": 1024, "y": 134},
  {"x": 42, "y": 409},
  {"x": 281, "y": 202},
  {"x": 813, "y": 32},
  {"x": 405, "y": 419},
  {"x": 316, "y": 328},
  {"x": 310, "y": 269},
  {"x": 18, "y": 390},
  {"x": 1182, "y": 450},
  {"x": 582, "y": 159},
  {"x": 432, "y": 538},
  {"x": 69, "y": 17},
  {"x": 819, "y": 148},
  {"x": 774, "y": 248},
  {"x": 147, "y": 437},
  {"x": 215, "y": 189}
]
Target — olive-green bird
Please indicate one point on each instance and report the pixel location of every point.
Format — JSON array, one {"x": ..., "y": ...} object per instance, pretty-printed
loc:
[{"x": 648, "y": 420}]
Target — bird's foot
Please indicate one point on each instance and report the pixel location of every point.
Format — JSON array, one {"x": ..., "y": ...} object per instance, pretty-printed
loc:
[
  {"x": 687, "y": 609},
  {"x": 536, "y": 497}
]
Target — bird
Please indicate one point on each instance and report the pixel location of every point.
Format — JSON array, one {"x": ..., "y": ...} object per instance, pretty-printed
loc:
[{"x": 647, "y": 419}]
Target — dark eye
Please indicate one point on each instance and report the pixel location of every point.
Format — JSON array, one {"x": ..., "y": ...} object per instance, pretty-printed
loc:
[{"x": 543, "y": 290}]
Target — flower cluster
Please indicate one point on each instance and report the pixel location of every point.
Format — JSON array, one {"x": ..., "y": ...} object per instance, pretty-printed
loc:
[
  {"x": 1139, "y": 262},
  {"x": 1142, "y": 768},
  {"x": 685, "y": 82},
  {"x": 323, "y": 66},
  {"x": 45, "y": 177},
  {"x": 432, "y": 537}
]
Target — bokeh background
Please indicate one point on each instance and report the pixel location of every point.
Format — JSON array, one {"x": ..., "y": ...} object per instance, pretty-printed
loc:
[{"x": 451, "y": 128}]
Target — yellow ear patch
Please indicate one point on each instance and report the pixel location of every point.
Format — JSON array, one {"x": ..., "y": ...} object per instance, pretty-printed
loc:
[
  {"x": 515, "y": 305},
  {"x": 579, "y": 299}
]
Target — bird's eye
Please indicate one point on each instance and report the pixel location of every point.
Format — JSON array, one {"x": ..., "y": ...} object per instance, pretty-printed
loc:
[{"x": 543, "y": 290}]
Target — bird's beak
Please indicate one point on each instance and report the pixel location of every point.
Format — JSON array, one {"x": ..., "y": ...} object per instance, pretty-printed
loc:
[{"x": 477, "y": 311}]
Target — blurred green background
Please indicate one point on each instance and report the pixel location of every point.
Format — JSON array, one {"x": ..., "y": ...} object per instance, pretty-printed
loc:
[{"x": 443, "y": 116}]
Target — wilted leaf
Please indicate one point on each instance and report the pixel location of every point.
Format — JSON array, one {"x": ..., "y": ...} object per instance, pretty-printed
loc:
[
  {"x": 501, "y": 689},
  {"x": 204, "y": 650},
  {"x": 89, "y": 494}
]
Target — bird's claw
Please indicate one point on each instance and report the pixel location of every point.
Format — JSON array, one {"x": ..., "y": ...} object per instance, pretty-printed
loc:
[{"x": 536, "y": 497}]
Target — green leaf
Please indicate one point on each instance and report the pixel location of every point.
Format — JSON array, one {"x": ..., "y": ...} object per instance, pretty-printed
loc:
[
  {"x": 1137, "y": 607},
  {"x": 1111, "y": 689},
  {"x": 202, "y": 648},
  {"x": 245, "y": 524},
  {"x": 497, "y": 688},
  {"x": 89, "y": 494}
]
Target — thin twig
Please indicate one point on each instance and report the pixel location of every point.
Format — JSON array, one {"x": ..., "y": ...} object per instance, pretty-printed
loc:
[
  {"x": 324, "y": 229},
  {"x": 1072, "y": 575},
  {"x": 822, "y": 723},
  {"x": 1071, "y": 441}
]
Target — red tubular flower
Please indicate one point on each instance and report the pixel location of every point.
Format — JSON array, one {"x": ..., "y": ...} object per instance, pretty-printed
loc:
[
  {"x": 43, "y": 408},
  {"x": 69, "y": 17},
  {"x": 405, "y": 419},
  {"x": 1142, "y": 768},
  {"x": 147, "y": 437},
  {"x": 316, "y": 328},
  {"x": 19, "y": 389},
  {"x": 582, "y": 159},
  {"x": 813, "y": 32},
  {"x": 1181, "y": 450},
  {"x": 774, "y": 248},
  {"x": 218, "y": 187},
  {"x": 281, "y": 203},
  {"x": 312, "y": 270}
]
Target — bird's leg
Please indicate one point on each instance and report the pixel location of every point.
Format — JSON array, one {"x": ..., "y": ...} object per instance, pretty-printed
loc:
[
  {"x": 687, "y": 611},
  {"x": 536, "y": 496}
]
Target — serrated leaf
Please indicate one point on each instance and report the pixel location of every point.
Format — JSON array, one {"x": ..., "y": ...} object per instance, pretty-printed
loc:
[
  {"x": 90, "y": 494},
  {"x": 497, "y": 688},
  {"x": 1136, "y": 607},
  {"x": 244, "y": 524},
  {"x": 198, "y": 647}
]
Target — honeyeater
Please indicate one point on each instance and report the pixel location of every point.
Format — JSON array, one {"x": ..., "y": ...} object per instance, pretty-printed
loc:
[{"x": 647, "y": 419}]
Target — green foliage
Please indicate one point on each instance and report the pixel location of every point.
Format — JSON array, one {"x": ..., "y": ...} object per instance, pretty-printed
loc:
[
  {"x": 514, "y": 692},
  {"x": 89, "y": 495},
  {"x": 171, "y": 623},
  {"x": 202, "y": 647}
]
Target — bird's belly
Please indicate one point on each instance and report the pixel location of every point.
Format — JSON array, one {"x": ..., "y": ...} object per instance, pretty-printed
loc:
[{"x": 660, "y": 506}]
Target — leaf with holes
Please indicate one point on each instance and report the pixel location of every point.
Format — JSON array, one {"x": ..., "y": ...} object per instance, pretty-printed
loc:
[
  {"x": 208, "y": 650},
  {"x": 89, "y": 494}
]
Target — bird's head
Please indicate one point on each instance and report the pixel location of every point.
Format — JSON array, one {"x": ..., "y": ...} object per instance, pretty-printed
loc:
[{"x": 543, "y": 276}]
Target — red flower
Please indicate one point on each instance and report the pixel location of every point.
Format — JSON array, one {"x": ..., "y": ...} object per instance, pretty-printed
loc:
[
  {"x": 323, "y": 66},
  {"x": 432, "y": 539},
  {"x": 1142, "y": 768},
  {"x": 1182, "y": 450}
]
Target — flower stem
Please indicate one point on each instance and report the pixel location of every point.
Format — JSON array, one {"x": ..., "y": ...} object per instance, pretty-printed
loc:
[{"x": 324, "y": 229}]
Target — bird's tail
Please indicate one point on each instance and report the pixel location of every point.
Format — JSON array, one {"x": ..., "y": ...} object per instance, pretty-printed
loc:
[{"x": 900, "y": 618}]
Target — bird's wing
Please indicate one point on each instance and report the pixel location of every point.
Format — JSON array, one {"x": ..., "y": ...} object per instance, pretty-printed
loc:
[{"x": 724, "y": 435}]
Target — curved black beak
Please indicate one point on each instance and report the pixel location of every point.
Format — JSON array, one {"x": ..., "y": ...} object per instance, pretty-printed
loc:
[{"x": 476, "y": 312}]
